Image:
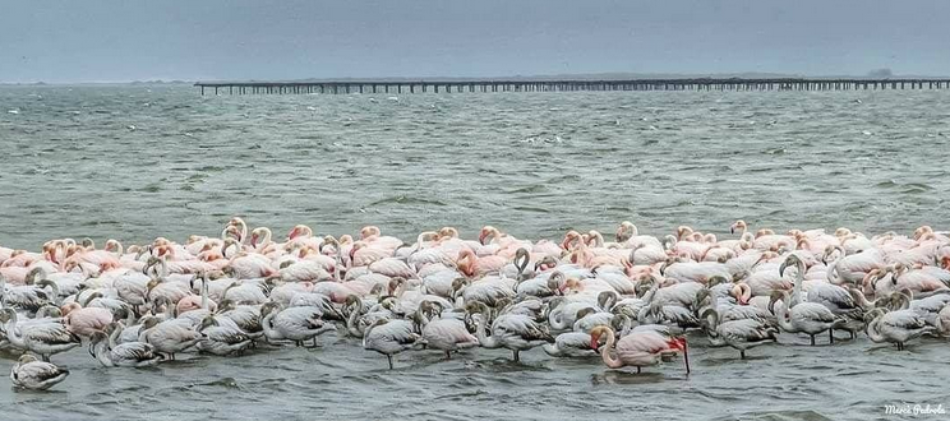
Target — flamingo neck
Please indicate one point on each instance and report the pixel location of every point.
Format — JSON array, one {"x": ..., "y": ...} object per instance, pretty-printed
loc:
[
  {"x": 609, "y": 360},
  {"x": 780, "y": 313},
  {"x": 269, "y": 331},
  {"x": 557, "y": 321},
  {"x": 483, "y": 338},
  {"x": 873, "y": 333},
  {"x": 13, "y": 333},
  {"x": 351, "y": 322},
  {"x": 101, "y": 350},
  {"x": 204, "y": 294},
  {"x": 799, "y": 279}
]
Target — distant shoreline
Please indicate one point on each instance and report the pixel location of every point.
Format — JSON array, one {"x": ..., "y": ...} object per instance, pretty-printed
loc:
[{"x": 593, "y": 77}]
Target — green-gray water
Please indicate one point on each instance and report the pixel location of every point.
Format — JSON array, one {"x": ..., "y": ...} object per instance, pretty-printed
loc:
[{"x": 534, "y": 165}]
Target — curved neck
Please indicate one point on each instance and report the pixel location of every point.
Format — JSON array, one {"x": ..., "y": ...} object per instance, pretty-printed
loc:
[
  {"x": 115, "y": 335},
  {"x": 101, "y": 350},
  {"x": 780, "y": 313},
  {"x": 269, "y": 331},
  {"x": 483, "y": 338},
  {"x": 267, "y": 238},
  {"x": 799, "y": 279},
  {"x": 557, "y": 321},
  {"x": 609, "y": 360},
  {"x": 351, "y": 325},
  {"x": 648, "y": 297},
  {"x": 873, "y": 334},
  {"x": 13, "y": 333}
]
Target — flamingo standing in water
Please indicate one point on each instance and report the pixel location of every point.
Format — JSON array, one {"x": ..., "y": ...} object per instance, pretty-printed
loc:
[{"x": 639, "y": 349}]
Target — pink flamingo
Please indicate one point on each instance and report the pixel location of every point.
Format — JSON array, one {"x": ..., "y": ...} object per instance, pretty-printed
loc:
[
  {"x": 472, "y": 265},
  {"x": 639, "y": 349},
  {"x": 85, "y": 322}
]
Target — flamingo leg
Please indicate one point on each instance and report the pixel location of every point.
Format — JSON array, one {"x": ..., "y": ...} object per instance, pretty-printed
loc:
[
  {"x": 448, "y": 355},
  {"x": 831, "y": 335},
  {"x": 390, "y": 358},
  {"x": 638, "y": 369},
  {"x": 742, "y": 354},
  {"x": 515, "y": 355},
  {"x": 812, "y": 340}
]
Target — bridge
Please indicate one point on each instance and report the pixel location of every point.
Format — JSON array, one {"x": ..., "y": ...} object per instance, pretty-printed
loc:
[{"x": 383, "y": 86}]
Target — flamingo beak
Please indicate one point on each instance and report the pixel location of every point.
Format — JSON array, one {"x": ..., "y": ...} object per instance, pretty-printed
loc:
[
  {"x": 254, "y": 240},
  {"x": 293, "y": 234},
  {"x": 595, "y": 342},
  {"x": 481, "y": 237}
]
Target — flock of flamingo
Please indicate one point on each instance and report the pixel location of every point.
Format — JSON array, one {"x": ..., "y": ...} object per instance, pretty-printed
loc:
[{"x": 630, "y": 302}]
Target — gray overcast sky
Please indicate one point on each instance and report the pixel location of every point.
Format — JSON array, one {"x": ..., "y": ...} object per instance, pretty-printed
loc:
[{"x": 123, "y": 40}]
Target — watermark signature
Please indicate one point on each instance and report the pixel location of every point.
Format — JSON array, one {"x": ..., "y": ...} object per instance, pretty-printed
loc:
[{"x": 914, "y": 410}]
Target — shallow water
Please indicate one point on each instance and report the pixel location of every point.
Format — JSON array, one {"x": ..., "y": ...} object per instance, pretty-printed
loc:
[{"x": 533, "y": 164}]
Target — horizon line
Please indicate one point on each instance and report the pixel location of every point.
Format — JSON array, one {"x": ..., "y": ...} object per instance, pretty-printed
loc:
[{"x": 540, "y": 77}]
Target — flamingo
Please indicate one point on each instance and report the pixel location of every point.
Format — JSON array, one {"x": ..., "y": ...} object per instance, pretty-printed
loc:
[
  {"x": 897, "y": 327},
  {"x": 513, "y": 331},
  {"x": 43, "y": 337},
  {"x": 298, "y": 324},
  {"x": 29, "y": 373},
  {"x": 130, "y": 354},
  {"x": 85, "y": 322},
  {"x": 390, "y": 337},
  {"x": 571, "y": 344},
  {"x": 739, "y": 334},
  {"x": 638, "y": 349}
]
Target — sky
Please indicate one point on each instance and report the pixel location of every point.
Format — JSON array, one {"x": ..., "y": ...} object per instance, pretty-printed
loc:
[{"x": 63, "y": 41}]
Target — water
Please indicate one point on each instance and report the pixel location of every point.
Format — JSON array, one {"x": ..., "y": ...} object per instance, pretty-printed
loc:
[{"x": 533, "y": 164}]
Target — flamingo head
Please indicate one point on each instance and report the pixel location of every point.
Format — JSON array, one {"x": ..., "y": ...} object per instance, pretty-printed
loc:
[
  {"x": 113, "y": 246},
  {"x": 164, "y": 250},
  {"x": 237, "y": 222},
  {"x": 486, "y": 231},
  {"x": 743, "y": 293},
  {"x": 448, "y": 232},
  {"x": 369, "y": 231},
  {"x": 920, "y": 232},
  {"x": 356, "y": 246},
  {"x": 626, "y": 231},
  {"x": 945, "y": 262},
  {"x": 681, "y": 345},
  {"x": 683, "y": 231},
  {"x": 394, "y": 284},
  {"x": 763, "y": 232},
  {"x": 596, "y": 334},
  {"x": 299, "y": 231},
  {"x": 569, "y": 239},
  {"x": 108, "y": 265},
  {"x": 571, "y": 284},
  {"x": 69, "y": 308},
  {"x": 791, "y": 260},
  {"x": 739, "y": 225}
]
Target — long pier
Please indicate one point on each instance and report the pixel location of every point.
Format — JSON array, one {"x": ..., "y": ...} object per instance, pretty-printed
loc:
[{"x": 545, "y": 85}]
